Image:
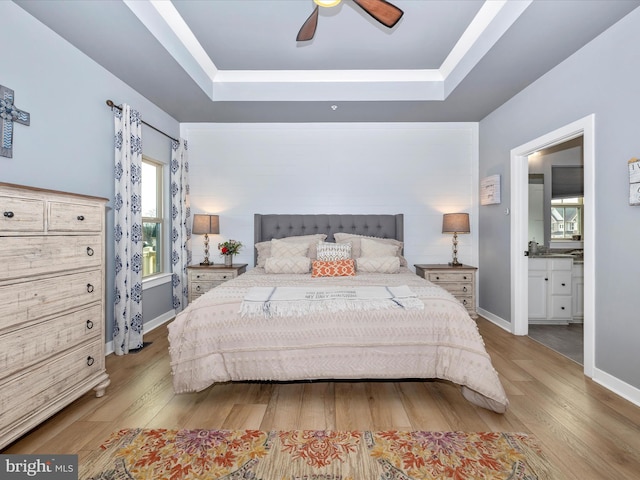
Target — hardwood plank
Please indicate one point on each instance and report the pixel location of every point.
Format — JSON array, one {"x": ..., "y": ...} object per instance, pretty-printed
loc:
[{"x": 585, "y": 430}]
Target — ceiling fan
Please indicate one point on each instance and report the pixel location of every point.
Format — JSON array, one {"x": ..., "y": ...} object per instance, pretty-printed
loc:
[{"x": 383, "y": 11}]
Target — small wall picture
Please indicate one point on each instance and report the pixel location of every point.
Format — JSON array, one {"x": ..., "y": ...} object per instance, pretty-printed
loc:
[
  {"x": 490, "y": 190},
  {"x": 634, "y": 181}
]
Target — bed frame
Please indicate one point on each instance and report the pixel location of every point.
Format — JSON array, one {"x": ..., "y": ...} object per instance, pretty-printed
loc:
[{"x": 267, "y": 227}]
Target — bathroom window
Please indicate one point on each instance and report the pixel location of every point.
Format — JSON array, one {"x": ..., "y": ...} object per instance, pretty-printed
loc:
[{"x": 566, "y": 218}]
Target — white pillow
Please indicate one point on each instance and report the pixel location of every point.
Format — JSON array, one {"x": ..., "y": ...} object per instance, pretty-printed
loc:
[
  {"x": 282, "y": 248},
  {"x": 373, "y": 248},
  {"x": 264, "y": 248},
  {"x": 330, "y": 252},
  {"x": 287, "y": 265},
  {"x": 389, "y": 264},
  {"x": 342, "y": 237}
]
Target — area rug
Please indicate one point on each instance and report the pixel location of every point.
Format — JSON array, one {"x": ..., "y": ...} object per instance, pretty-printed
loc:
[{"x": 160, "y": 454}]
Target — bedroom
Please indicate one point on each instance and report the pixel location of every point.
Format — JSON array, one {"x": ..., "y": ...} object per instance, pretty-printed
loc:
[{"x": 79, "y": 160}]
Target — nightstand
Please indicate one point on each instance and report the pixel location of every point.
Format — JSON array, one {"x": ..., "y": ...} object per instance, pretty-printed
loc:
[
  {"x": 202, "y": 278},
  {"x": 459, "y": 281}
]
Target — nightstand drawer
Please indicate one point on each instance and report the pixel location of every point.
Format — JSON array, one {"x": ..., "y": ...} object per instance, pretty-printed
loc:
[
  {"x": 203, "y": 278},
  {"x": 441, "y": 277},
  {"x": 460, "y": 281},
  {"x": 457, "y": 289},
  {"x": 207, "y": 276}
]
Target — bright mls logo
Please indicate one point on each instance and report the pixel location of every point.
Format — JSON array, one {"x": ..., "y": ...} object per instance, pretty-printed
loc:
[{"x": 50, "y": 467}]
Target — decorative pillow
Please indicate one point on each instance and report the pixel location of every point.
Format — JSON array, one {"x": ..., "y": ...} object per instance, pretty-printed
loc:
[
  {"x": 298, "y": 264},
  {"x": 280, "y": 248},
  {"x": 378, "y": 264},
  {"x": 264, "y": 248},
  {"x": 374, "y": 248},
  {"x": 336, "y": 268},
  {"x": 328, "y": 252},
  {"x": 355, "y": 240}
]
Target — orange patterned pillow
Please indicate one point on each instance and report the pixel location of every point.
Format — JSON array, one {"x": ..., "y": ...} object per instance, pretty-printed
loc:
[{"x": 335, "y": 268}]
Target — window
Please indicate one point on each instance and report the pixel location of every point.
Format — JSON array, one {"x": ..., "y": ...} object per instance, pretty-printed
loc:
[
  {"x": 566, "y": 218},
  {"x": 152, "y": 221}
]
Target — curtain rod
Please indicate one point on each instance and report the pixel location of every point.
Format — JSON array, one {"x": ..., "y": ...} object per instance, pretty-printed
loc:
[{"x": 113, "y": 105}]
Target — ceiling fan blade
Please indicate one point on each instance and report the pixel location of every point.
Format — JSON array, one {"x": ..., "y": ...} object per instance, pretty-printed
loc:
[
  {"x": 383, "y": 11},
  {"x": 308, "y": 29}
]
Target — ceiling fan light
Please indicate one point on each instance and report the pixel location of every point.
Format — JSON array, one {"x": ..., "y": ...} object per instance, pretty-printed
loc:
[{"x": 327, "y": 3}]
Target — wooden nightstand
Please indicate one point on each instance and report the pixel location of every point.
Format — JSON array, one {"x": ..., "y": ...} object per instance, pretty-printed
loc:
[
  {"x": 459, "y": 281},
  {"x": 203, "y": 278}
]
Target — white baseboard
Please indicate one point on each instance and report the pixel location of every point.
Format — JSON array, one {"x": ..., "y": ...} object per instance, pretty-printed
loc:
[
  {"x": 502, "y": 323},
  {"x": 617, "y": 386},
  {"x": 146, "y": 328}
]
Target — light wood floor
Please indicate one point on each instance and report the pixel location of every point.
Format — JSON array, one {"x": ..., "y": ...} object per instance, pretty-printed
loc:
[{"x": 585, "y": 430}]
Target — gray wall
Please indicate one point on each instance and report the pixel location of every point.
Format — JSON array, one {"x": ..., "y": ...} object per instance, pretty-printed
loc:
[
  {"x": 601, "y": 78},
  {"x": 69, "y": 144}
]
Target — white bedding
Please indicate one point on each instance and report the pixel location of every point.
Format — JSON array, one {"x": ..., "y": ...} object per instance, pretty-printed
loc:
[{"x": 211, "y": 342}]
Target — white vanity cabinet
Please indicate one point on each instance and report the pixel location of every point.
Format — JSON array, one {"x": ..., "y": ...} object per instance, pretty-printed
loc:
[
  {"x": 550, "y": 290},
  {"x": 577, "y": 278}
]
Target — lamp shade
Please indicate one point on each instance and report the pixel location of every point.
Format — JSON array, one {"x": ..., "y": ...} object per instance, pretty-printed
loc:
[
  {"x": 205, "y": 224},
  {"x": 455, "y": 223}
]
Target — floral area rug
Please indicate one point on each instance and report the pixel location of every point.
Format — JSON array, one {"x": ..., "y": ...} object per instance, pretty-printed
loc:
[{"x": 315, "y": 455}]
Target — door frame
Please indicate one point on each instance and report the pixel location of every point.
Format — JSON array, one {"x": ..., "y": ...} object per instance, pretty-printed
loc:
[{"x": 584, "y": 127}]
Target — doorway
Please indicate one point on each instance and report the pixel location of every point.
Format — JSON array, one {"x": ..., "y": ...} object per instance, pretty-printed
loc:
[
  {"x": 556, "y": 192},
  {"x": 519, "y": 229}
]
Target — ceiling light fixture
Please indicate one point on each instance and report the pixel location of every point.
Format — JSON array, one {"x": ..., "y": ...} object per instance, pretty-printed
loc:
[
  {"x": 383, "y": 11},
  {"x": 327, "y": 3}
]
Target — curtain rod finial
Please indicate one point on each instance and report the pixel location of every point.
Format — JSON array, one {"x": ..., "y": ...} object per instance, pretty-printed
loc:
[{"x": 110, "y": 103}]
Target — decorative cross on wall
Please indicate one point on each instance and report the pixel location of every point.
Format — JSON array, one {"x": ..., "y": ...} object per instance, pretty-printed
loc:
[{"x": 8, "y": 115}]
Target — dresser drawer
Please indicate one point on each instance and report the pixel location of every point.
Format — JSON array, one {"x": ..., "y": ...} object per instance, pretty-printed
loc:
[
  {"x": 74, "y": 217},
  {"x": 34, "y": 389},
  {"x": 27, "y": 301},
  {"x": 26, "y": 346},
  {"x": 30, "y": 256},
  {"x": 21, "y": 215},
  {"x": 440, "y": 277}
]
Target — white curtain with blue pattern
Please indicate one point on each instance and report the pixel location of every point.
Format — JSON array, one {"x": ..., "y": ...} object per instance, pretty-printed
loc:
[
  {"x": 127, "y": 328},
  {"x": 180, "y": 223}
]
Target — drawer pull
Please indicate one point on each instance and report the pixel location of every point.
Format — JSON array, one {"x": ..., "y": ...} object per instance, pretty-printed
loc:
[
  {"x": 90, "y": 288},
  {"x": 8, "y": 214},
  {"x": 561, "y": 308},
  {"x": 564, "y": 284},
  {"x": 437, "y": 278},
  {"x": 80, "y": 217},
  {"x": 546, "y": 279},
  {"x": 90, "y": 361},
  {"x": 465, "y": 277},
  {"x": 464, "y": 301},
  {"x": 90, "y": 251},
  {"x": 464, "y": 289},
  {"x": 89, "y": 324},
  {"x": 198, "y": 288}
]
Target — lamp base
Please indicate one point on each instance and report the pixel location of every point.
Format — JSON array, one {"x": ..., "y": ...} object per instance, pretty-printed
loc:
[
  {"x": 455, "y": 264},
  {"x": 206, "y": 263}
]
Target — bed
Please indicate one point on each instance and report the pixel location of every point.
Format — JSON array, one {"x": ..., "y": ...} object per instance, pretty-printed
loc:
[{"x": 342, "y": 318}]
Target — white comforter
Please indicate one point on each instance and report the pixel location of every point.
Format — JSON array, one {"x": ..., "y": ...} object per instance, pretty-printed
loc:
[{"x": 211, "y": 342}]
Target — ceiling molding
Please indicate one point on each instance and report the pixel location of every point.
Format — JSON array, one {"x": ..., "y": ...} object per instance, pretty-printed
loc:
[{"x": 165, "y": 23}]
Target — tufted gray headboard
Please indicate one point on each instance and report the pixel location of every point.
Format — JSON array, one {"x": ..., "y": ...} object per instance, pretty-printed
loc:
[{"x": 271, "y": 226}]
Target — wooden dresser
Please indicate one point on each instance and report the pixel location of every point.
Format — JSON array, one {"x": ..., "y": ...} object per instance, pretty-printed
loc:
[
  {"x": 202, "y": 278},
  {"x": 459, "y": 281},
  {"x": 52, "y": 320}
]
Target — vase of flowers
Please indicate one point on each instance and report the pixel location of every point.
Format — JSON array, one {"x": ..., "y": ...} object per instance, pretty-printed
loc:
[{"x": 228, "y": 249}]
